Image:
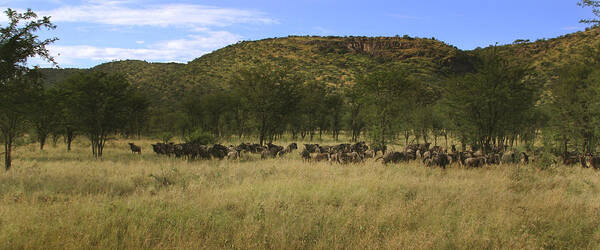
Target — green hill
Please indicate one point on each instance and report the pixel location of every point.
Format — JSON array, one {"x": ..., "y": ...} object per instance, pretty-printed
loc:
[{"x": 335, "y": 61}]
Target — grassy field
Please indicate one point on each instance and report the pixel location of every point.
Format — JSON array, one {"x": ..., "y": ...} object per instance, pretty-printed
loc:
[{"x": 55, "y": 199}]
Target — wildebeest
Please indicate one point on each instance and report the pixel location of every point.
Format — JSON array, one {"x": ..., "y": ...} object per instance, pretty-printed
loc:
[
  {"x": 218, "y": 151},
  {"x": 321, "y": 157},
  {"x": 591, "y": 161},
  {"x": 359, "y": 147},
  {"x": 509, "y": 157},
  {"x": 305, "y": 155},
  {"x": 311, "y": 148},
  {"x": 524, "y": 158},
  {"x": 352, "y": 157},
  {"x": 290, "y": 148},
  {"x": 394, "y": 157},
  {"x": 475, "y": 162},
  {"x": 135, "y": 148},
  {"x": 437, "y": 159},
  {"x": 379, "y": 148}
]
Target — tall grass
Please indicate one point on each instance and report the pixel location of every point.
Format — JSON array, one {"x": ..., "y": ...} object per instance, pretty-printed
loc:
[{"x": 55, "y": 199}]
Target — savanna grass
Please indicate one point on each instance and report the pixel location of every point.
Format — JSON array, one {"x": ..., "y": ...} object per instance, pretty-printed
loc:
[{"x": 54, "y": 199}]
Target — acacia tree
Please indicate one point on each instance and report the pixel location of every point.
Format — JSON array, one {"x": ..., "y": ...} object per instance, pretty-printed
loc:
[
  {"x": 272, "y": 94},
  {"x": 574, "y": 107},
  {"x": 483, "y": 106},
  {"x": 46, "y": 114},
  {"x": 595, "y": 5},
  {"x": 19, "y": 42},
  {"x": 101, "y": 104},
  {"x": 386, "y": 94}
]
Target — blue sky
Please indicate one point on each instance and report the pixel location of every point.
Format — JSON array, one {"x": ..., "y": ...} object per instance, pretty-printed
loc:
[{"x": 95, "y": 31}]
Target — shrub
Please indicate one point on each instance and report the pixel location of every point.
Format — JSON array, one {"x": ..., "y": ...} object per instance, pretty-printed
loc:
[
  {"x": 200, "y": 137},
  {"x": 165, "y": 137}
]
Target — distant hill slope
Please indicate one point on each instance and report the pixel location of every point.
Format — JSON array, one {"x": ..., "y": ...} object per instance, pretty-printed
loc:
[{"x": 332, "y": 60}]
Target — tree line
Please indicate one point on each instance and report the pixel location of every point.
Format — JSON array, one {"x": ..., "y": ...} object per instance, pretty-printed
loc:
[{"x": 495, "y": 103}]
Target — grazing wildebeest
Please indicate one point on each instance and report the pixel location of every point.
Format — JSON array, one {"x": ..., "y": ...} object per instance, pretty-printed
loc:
[
  {"x": 379, "y": 148},
  {"x": 369, "y": 154},
  {"x": 305, "y": 155},
  {"x": 508, "y": 157},
  {"x": 311, "y": 148},
  {"x": 394, "y": 157},
  {"x": 233, "y": 155},
  {"x": 218, "y": 151},
  {"x": 437, "y": 159},
  {"x": 524, "y": 158},
  {"x": 290, "y": 148},
  {"x": 321, "y": 157},
  {"x": 352, "y": 157},
  {"x": 135, "y": 148},
  {"x": 475, "y": 162},
  {"x": 359, "y": 147},
  {"x": 590, "y": 161},
  {"x": 335, "y": 157}
]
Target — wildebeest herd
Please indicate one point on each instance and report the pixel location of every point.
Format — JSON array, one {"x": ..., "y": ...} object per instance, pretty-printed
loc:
[{"x": 359, "y": 152}]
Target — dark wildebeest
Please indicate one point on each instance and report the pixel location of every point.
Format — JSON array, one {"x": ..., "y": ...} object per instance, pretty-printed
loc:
[
  {"x": 290, "y": 148},
  {"x": 475, "y": 162},
  {"x": 394, "y": 157},
  {"x": 218, "y": 151},
  {"x": 509, "y": 157},
  {"x": 379, "y": 148},
  {"x": 524, "y": 158},
  {"x": 352, "y": 157},
  {"x": 590, "y": 161},
  {"x": 311, "y": 148},
  {"x": 135, "y": 148},
  {"x": 438, "y": 159},
  {"x": 359, "y": 147},
  {"x": 305, "y": 155}
]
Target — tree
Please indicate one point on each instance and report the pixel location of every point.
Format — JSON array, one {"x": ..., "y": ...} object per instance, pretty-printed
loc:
[
  {"x": 574, "y": 107},
  {"x": 356, "y": 116},
  {"x": 595, "y": 5},
  {"x": 16, "y": 103},
  {"x": 494, "y": 102},
  {"x": 18, "y": 43},
  {"x": 386, "y": 93},
  {"x": 271, "y": 92},
  {"x": 101, "y": 104},
  {"x": 46, "y": 114}
]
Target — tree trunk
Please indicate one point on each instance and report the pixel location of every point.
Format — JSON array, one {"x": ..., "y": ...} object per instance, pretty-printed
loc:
[
  {"x": 446, "y": 139},
  {"x": 69, "y": 140},
  {"x": 7, "y": 154},
  {"x": 42, "y": 141}
]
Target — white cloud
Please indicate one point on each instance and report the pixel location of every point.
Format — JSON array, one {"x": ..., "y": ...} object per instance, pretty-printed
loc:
[
  {"x": 162, "y": 15},
  {"x": 180, "y": 50},
  {"x": 572, "y": 28},
  {"x": 140, "y": 42}
]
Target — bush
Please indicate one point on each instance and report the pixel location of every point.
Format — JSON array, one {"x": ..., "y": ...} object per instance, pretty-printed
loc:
[
  {"x": 200, "y": 137},
  {"x": 165, "y": 137}
]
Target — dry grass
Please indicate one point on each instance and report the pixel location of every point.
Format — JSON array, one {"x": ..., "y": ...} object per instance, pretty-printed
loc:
[{"x": 65, "y": 200}]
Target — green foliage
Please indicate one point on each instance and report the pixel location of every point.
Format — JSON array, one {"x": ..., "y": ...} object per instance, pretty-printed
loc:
[
  {"x": 496, "y": 101},
  {"x": 200, "y": 137},
  {"x": 18, "y": 87},
  {"x": 595, "y": 5},
  {"x": 386, "y": 94},
  {"x": 101, "y": 105},
  {"x": 46, "y": 113},
  {"x": 272, "y": 93},
  {"x": 573, "y": 102},
  {"x": 165, "y": 137}
]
